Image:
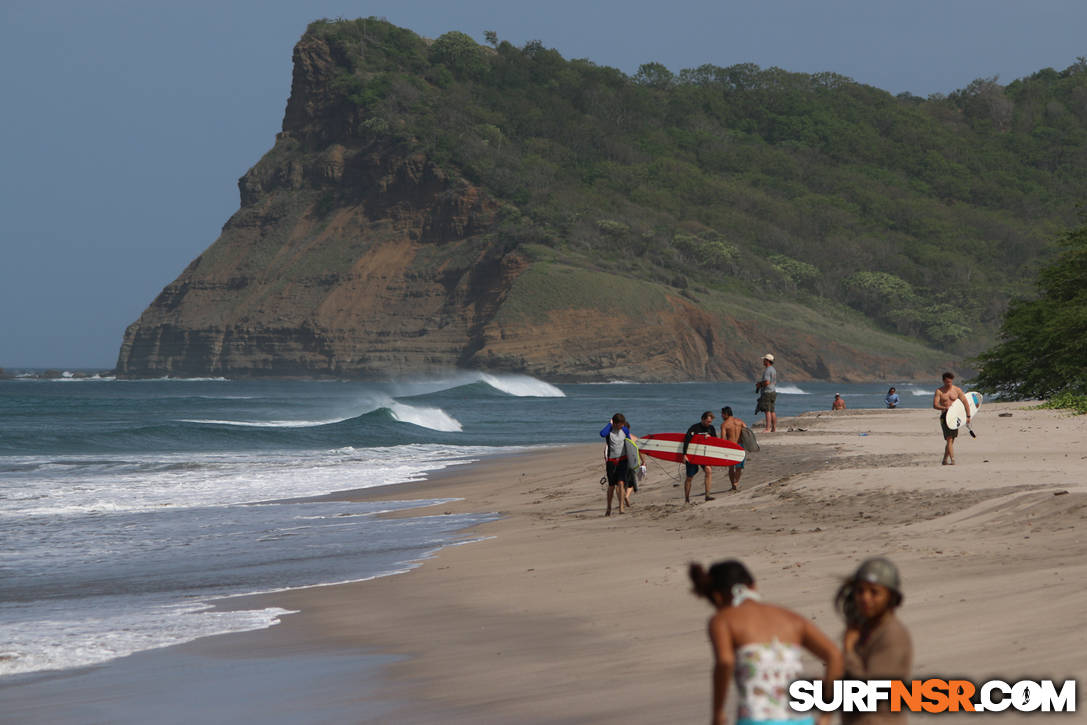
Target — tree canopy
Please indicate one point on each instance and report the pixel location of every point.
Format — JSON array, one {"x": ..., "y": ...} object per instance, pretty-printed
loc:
[{"x": 1042, "y": 351}]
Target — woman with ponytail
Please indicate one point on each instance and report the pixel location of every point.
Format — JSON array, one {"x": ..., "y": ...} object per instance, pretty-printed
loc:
[{"x": 759, "y": 643}]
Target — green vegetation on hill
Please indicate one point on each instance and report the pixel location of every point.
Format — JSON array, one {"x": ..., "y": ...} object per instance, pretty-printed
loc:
[
  {"x": 926, "y": 215},
  {"x": 1043, "y": 342}
]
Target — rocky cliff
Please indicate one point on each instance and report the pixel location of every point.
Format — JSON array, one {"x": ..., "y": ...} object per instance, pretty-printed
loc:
[{"x": 358, "y": 255}]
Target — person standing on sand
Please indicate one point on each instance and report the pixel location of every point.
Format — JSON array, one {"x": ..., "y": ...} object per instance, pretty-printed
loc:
[
  {"x": 838, "y": 403},
  {"x": 945, "y": 395},
  {"x": 615, "y": 434},
  {"x": 634, "y": 465},
  {"x": 731, "y": 427},
  {"x": 877, "y": 646},
  {"x": 761, "y": 644},
  {"x": 704, "y": 426},
  {"x": 768, "y": 394}
]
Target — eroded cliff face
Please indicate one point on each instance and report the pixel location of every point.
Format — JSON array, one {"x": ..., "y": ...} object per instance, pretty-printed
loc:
[{"x": 367, "y": 260}]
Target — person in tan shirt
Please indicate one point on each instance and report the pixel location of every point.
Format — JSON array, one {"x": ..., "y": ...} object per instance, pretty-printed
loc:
[{"x": 876, "y": 645}]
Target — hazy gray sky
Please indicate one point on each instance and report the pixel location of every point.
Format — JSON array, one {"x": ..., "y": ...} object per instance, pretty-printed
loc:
[{"x": 125, "y": 124}]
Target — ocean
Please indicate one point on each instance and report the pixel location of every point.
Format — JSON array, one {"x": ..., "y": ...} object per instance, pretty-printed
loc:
[{"x": 127, "y": 506}]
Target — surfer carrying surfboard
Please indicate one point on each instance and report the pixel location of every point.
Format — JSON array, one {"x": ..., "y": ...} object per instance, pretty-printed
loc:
[
  {"x": 617, "y": 458},
  {"x": 705, "y": 426},
  {"x": 731, "y": 429},
  {"x": 945, "y": 397}
]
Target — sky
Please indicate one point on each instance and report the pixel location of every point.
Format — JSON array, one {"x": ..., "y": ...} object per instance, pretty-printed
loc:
[{"x": 125, "y": 124}]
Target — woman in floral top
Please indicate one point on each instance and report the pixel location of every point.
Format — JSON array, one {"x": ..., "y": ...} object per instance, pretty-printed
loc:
[{"x": 760, "y": 644}]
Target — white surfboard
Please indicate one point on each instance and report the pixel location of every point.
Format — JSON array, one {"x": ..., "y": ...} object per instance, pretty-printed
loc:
[{"x": 955, "y": 417}]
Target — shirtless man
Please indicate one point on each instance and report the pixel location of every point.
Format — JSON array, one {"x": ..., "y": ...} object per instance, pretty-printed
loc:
[
  {"x": 730, "y": 431},
  {"x": 839, "y": 403},
  {"x": 945, "y": 395}
]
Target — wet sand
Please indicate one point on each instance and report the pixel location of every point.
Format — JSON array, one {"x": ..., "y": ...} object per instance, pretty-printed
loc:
[{"x": 559, "y": 615}]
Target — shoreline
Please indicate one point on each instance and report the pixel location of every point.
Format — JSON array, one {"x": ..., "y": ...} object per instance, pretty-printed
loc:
[{"x": 557, "y": 614}]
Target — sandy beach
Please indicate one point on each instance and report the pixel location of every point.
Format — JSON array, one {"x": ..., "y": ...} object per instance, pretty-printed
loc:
[{"x": 557, "y": 614}]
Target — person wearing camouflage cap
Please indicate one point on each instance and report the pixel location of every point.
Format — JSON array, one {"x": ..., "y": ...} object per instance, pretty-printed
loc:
[{"x": 876, "y": 645}]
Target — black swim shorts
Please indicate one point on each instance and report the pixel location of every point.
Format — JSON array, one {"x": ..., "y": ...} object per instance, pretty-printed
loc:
[
  {"x": 692, "y": 469},
  {"x": 617, "y": 472},
  {"x": 948, "y": 433}
]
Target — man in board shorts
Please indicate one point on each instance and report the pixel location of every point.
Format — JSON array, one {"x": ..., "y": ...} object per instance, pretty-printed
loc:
[
  {"x": 769, "y": 393},
  {"x": 615, "y": 434},
  {"x": 731, "y": 427},
  {"x": 945, "y": 396},
  {"x": 705, "y": 425}
]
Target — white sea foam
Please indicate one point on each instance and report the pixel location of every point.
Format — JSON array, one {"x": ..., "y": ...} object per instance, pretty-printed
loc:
[
  {"x": 791, "y": 390},
  {"x": 433, "y": 418},
  {"x": 522, "y": 386},
  {"x": 56, "y": 640},
  {"x": 62, "y": 485},
  {"x": 66, "y": 377},
  {"x": 266, "y": 423},
  {"x": 168, "y": 379},
  {"x": 228, "y": 397}
]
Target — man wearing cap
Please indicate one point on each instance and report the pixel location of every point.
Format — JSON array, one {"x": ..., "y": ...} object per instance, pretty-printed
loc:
[
  {"x": 876, "y": 644},
  {"x": 839, "y": 403},
  {"x": 768, "y": 393}
]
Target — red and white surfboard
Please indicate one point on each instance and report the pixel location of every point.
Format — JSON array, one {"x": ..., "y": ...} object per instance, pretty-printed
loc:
[{"x": 704, "y": 450}]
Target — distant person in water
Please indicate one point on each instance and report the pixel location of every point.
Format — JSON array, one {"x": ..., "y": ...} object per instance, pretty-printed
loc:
[
  {"x": 615, "y": 434},
  {"x": 768, "y": 393},
  {"x": 876, "y": 645},
  {"x": 761, "y": 644},
  {"x": 944, "y": 398},
  {"x": 838, "y": 403},
  {"x": 731, "y": 428},
  {"x": 703, "y": 426},
  {"x": 892, "y": 398}
]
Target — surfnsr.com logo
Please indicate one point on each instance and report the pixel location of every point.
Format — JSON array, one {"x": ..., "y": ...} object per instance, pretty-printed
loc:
[{"x": 935, "y": 696}]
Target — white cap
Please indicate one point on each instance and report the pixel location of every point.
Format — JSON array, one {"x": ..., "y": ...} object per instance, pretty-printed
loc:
[{"x": 769, "y": 357}]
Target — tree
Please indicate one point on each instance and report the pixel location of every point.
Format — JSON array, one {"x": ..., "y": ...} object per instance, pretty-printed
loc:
[
  {"x": 654, "y": 75},
  {"x": 459, "y": 53},
  {"x": 1043, "y": 342}
]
